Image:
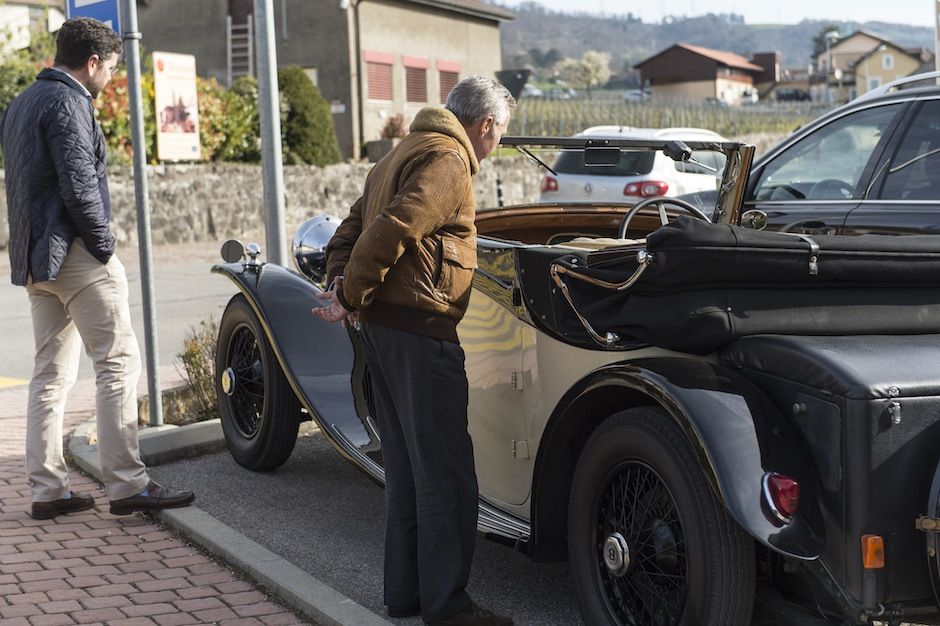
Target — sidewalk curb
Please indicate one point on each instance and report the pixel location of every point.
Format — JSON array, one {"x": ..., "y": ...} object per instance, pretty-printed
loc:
[
  {"x": 165, "y": 444},
  {"x": 304, "y": 593}
]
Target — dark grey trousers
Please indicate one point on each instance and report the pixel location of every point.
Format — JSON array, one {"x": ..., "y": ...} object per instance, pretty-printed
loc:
[{"x": 420, "y": 390}]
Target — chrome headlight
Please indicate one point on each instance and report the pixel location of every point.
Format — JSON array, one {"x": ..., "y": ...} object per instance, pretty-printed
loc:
[{"x": 310, "y": 243}]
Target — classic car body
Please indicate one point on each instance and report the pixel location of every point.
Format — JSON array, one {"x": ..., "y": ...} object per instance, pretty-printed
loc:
[{"x": 689, "y": 416}]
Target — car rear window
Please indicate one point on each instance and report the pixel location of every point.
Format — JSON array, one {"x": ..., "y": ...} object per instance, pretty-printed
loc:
[{"x": 632, "y": 163}]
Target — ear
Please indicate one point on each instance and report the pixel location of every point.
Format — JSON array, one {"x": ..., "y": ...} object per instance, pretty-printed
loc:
[
  {"x": 93, "y": 62},
  {"x": 488, "y": 124}
]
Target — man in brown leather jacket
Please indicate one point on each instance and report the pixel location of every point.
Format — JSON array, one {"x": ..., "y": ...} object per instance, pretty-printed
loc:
[{"x": 402, "y": 263}]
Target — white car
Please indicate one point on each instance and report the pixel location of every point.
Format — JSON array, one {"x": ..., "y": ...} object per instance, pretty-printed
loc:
[{"x": 640, "y": 174}]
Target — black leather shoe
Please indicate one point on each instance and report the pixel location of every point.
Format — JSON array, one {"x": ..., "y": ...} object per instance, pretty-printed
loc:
[
  {"x": 404, "y": 611},
  {"x": 478, "y": 617},
  {"x": 48, "y": 510},
  {"x": 158, "y": 497}
]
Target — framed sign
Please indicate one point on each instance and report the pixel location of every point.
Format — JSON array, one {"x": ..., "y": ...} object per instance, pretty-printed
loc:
[{"x": 177, "y": 113}]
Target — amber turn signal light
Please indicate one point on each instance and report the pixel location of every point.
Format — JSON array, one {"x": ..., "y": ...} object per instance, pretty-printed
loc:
[{"x": 873, "y": 552}]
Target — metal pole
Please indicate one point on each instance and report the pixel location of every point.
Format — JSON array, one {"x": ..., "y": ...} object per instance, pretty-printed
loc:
[
  {"x": 132, "y": 55},
  {"x": 828, "y": 69},
  {"x": 228, "y": 51},
  {"x": 271, "y": 165},
  {"x": 936, "y": 37}
]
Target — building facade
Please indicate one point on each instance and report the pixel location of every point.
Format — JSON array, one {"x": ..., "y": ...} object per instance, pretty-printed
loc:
[
  {"x": 19, "y": 17},
  {"x": 861, "y": 62},
  {"x": 371, "y": 59},
  {"x": 688, "y": 72}
]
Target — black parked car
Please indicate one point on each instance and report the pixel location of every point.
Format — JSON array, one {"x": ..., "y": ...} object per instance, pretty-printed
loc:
[
  {"x": 870, "y": 166},
  {"x": 694, "y": 414}
]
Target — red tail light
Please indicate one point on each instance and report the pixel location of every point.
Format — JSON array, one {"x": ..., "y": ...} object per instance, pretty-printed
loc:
[
  {"x": 646, "y": 188},
  {"x": 549, "y": 184},
  {"x": 782, "y": 494}
]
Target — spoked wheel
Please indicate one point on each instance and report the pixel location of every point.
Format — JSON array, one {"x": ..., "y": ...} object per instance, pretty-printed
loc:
[
  {"x": 260, "y": 413},
  {"x": 648, "y": 541},
  {"x": 642, "y": 547}
]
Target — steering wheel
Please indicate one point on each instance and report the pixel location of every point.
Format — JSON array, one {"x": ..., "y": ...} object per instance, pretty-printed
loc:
[
  {"x": 660, "y": 202},
  {"x": 831, "y": 189}
]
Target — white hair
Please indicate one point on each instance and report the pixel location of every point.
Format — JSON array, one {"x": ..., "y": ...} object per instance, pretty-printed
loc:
[{"x": 477, "y": 97}]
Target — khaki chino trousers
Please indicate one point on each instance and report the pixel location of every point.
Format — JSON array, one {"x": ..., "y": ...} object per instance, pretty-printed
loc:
[{"x": 87, "y": 303}]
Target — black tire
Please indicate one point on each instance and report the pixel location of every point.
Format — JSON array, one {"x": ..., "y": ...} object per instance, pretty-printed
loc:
[
  {"x": 690, "y": 563},
  {"x": 260, "y": 413}
]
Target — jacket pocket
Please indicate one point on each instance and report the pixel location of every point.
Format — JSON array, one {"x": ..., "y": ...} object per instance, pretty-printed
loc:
[{"x": 458, "y": 260}]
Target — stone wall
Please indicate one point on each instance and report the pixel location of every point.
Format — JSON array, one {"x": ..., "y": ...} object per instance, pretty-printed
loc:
[
  {"x": 212, "y": 202},
  {"x": 216, "y": 201}
]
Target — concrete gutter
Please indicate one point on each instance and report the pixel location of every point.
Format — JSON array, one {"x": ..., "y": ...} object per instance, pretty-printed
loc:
[{"x": 306, "y": 594}]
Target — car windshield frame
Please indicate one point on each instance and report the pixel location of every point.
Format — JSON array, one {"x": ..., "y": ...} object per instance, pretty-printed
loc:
[{"x": 739, "y": 157}]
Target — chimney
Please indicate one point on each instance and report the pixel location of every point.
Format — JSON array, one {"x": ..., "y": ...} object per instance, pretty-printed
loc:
[{"x": 770, "y": 61}]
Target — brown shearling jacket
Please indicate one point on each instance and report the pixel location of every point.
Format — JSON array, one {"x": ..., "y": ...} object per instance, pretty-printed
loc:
[{"x": 407, "y": 251}]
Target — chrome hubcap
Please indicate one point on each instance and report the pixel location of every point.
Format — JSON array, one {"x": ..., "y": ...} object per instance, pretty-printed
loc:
[
  {"x": 617, "y": 554},
  {"x": 228, "y": 381}
]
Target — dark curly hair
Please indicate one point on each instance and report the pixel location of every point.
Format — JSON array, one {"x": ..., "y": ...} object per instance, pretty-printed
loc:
[{"x": 81, "y": 38}]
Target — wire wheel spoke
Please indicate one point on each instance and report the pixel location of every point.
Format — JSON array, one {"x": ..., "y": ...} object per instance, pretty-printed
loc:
[
  {"x": 247, "y": 399},
  {"x": 637, "y": 504}
]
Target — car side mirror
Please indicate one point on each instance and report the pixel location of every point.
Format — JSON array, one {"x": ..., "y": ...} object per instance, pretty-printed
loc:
[{"x": 233, "y": 251}]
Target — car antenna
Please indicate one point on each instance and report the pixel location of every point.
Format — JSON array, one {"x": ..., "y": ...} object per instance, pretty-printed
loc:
[{"x": 529, "y": 154}]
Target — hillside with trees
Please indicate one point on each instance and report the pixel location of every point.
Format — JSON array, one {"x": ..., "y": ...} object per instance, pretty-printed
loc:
[{"x": 539, "y": 37}]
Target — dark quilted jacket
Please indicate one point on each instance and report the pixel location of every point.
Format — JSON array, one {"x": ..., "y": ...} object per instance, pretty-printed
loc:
[{"x": 56, "y": 177}]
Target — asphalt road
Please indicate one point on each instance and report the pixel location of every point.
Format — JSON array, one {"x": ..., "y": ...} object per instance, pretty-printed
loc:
[
  {"x": 185, "y": 291},
  {"x": 320, "y": 513}
]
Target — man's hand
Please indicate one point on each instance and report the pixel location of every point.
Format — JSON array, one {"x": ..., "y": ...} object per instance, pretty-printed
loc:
[{"x": 334, "y": 311}]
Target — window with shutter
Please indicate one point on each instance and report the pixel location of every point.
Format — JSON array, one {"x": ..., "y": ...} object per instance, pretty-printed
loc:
[
  {"x": 379, "y": 76},
  {"x": 448, "y": 81},
  {"x": 416, "y": 84}
]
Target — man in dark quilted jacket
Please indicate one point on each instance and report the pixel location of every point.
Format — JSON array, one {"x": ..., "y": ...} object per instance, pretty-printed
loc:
[{"x": 62, "y": 250}]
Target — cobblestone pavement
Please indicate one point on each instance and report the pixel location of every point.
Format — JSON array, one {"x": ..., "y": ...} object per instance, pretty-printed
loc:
[{"x": 95, "y": 568}]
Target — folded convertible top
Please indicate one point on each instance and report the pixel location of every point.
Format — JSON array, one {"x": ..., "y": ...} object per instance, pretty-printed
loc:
[
  {"x": 708, "y": 284},
  {"x": 693, "y": 254}
]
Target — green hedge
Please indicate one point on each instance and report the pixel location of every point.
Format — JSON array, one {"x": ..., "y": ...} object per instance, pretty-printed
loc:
[
  {"x": 307, "y": 127},
  {"x": 229, "y": 126}
]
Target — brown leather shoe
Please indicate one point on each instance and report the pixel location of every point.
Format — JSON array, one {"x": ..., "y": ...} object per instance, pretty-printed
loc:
[
  {"x": 479, "y": 617},
  {"x": 158, "y": 497},
  {"x": 48, "y": 510}
]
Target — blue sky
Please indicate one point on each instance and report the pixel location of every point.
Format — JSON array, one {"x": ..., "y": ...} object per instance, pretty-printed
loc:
[{"x": 916, "y": 12}]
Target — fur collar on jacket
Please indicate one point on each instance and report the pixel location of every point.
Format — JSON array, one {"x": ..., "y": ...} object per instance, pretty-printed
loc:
[{"x": 442, "y": 121}]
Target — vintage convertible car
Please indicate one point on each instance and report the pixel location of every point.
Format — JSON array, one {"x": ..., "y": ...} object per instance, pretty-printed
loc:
[{"x": 713, "y": 424}]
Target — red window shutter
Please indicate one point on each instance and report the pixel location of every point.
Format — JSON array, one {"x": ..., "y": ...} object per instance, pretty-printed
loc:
[
  {"x": 379, "y": 76},
  {"x": 448, "y": 81},
  {"x": 416, "y": 84}
]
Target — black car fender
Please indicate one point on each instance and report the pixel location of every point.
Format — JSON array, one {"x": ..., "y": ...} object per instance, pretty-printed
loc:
[
  {"x": 317, "y": 357},
  {"x": 737, "y": 434}
]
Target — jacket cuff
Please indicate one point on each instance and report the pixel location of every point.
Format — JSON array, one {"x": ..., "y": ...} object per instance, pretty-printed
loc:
[
  {"x": 102, "y": 253},
  {"x": 343, "y": 301}
]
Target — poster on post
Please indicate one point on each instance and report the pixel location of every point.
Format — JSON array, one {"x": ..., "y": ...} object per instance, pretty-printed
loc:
[{"x": 174, "y": 85}]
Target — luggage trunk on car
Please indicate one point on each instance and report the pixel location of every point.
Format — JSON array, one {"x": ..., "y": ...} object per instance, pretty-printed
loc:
[{"x": 868, "y": 408}]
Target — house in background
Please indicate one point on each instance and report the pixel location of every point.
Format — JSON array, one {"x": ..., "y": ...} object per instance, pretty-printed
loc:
[
  {"x": 887, "y": 63},
  {"x": 861, "y": 62},
  {"x": 371, "y": 59},
  {"x": 688, "y": 72},
  {"x": 19, "y": 17}
]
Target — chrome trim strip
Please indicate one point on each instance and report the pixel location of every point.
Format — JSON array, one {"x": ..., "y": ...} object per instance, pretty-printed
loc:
[
  {"x": 751, "y": 203},
  {"x": 497, "y": 522}
]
